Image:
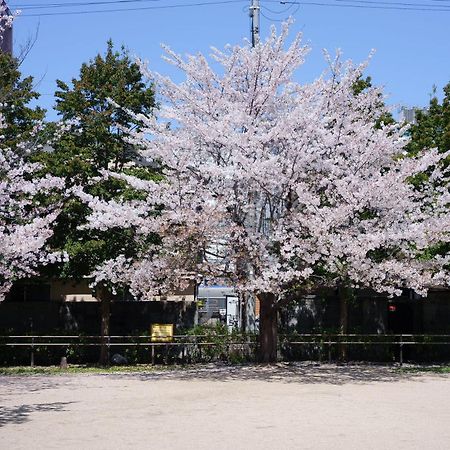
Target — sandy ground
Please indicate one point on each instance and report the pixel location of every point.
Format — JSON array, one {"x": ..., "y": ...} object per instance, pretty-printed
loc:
[{"x": 283, "y": 407}]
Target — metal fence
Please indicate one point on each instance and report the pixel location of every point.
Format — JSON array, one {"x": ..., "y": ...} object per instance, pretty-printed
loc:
[
  {"x": 180, "y": 348},
  {"x": 356, "y": 346},
  {"x": 237, "y": 347}
]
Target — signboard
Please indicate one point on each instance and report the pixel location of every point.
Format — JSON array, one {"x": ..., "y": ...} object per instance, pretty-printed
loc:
[
  {"x": 161, "y": 332},
  {"x": 201, "y": 303},
  {"x": 232, "y": 312}
]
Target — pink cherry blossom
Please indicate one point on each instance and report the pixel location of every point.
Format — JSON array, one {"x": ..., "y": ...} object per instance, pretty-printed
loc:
[
  {"x": 25, "y": 225},
  {"x": 271, "y": 184}
]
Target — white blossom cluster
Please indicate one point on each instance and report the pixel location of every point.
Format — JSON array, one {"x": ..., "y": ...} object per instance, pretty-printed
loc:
[
  {"x": 25, "y": 224},
  {"x": 6, "y": 19},
  {"x": 274, "y": 185}
]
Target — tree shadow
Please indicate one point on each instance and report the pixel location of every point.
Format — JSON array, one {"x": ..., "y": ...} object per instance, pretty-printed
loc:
[
  {"x": 20, "y": 414},
  {"x": 10, "y": 387},
  {"x": 302, "y": 373}
]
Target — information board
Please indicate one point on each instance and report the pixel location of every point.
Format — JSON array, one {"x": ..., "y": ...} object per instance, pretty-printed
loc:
[{"x": 161, "y": 332}]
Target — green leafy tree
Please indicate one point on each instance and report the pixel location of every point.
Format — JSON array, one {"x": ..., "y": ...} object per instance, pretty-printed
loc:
[
  {"x": 16, "y": 93},
  {"x": 363, "y": 84},
  {"x": 96, "y": 142},
  {"x": 432, "y": 128}
]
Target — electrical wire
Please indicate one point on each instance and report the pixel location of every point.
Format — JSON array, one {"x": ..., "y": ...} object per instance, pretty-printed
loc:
[
  {"x": 109, "y": 2},
  {"x": 359, "y": 4},
  {"x": 376, "y": 2},
  {"x": 99, "y": 11},
  {"x": 277, "y": 12},
  {"x": 76, "y": 4},
  {"x": 429, "y": 8},
  {"x": 272, "y": 19}
]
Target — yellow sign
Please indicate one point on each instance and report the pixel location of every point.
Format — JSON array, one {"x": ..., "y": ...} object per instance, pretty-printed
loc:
[{"x": 162, "y": 332}]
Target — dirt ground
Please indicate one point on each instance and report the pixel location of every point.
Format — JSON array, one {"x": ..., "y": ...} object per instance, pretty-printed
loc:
[{"x": 302, "y": 406}]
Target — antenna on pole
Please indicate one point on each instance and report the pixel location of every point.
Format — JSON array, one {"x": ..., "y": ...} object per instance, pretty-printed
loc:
[
  {"x": 6, "y": 29},
  {"x": 255, "y": 11}
]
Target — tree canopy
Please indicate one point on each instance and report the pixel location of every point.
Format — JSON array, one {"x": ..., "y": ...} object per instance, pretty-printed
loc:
[
  {"x": 276, "y": 185},
  {"x": 432, "y": 127},
  {"x": 16, "y": 93},
  {"x": 94, "y": 141}
]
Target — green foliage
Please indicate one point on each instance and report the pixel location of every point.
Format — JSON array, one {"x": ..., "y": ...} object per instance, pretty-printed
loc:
[
  {"x": 366, "y": 83},
  {"x": 425, "y": 369},
  {"x": 81, "y": 369},
  {"x": 96, "y": 141},
  {"x": 361, "y": 85},
  {"x": 432, "y": 129},
  {"x": 15, "y": 95},
  {"x": 218, "y": 345}
]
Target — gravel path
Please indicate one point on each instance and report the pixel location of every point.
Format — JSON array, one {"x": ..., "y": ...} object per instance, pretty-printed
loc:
[{"x": 303, "y": 406}]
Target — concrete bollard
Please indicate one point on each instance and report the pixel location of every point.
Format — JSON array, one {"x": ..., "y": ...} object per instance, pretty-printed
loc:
[{"x": 63, "y": 364}]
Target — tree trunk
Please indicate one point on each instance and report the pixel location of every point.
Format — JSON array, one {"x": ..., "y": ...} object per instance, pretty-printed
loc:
[
  {"x": 344, "y": 294},
  {"x": 104, "y": 297},
  {"x": 268, "y": 328}
]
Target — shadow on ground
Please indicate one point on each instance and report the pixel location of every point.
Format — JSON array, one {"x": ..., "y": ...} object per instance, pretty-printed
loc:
[
  {"x": 304, "y": 373},
  {"x": 20, "y": 414},
  {"x": 10, "y": 387}
]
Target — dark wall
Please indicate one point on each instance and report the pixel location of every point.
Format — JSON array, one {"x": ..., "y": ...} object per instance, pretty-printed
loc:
[
  {"x": 370, "y": 313},
  {"x": 436, "y": 312},
  {"x": 311, "y": 314},
  {"x": 84, "y": 318}
]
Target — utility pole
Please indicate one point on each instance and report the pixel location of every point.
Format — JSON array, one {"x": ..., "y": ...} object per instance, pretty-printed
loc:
[
  {"x": 248, "y": 306},
  {"x": 6, "y": 30},
  {"x": 255, "y": 11}
]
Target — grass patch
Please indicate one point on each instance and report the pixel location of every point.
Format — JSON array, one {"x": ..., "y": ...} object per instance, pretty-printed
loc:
[
  {"x": 426, "y": 369},
  {"x": 79, "y": 369},
  {"x": 147, "y": 368}
]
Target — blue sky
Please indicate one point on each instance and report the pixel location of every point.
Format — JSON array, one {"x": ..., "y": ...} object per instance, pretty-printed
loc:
[{"x": 412, "y": 47}]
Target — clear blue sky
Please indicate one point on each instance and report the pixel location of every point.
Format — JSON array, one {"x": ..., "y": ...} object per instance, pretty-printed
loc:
[{"x": 412, "y": 47}]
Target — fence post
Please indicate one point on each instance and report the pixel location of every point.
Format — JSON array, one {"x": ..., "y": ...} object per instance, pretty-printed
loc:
[
  {"x": 153, "y": 354},
  {"x": 329, "y": 352},
  {"x": 401, "y": 350},
  {"x": 32, "y": 353},
  {"x": 109, "y": 352}
]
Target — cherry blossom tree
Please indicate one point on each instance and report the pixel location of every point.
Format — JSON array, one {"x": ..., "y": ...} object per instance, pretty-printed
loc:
[
  {"x": 275, "y": 186},
  {"x": 25, "y": 214},
  {"x": 26, "y": 208}
]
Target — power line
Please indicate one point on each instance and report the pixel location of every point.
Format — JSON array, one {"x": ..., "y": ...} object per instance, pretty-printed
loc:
[
  {"x": 291, "y": 10},
  {"x": 429, "y": 8},
  {"x": 376, "y": 2},
  {"x": 284, "y": 11},
  {"x": 75, "y": 4},
  {"x": 99, "y": 11},
  {"x": 109, "y": 2},
  {"x": 360, "y": 4}
]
